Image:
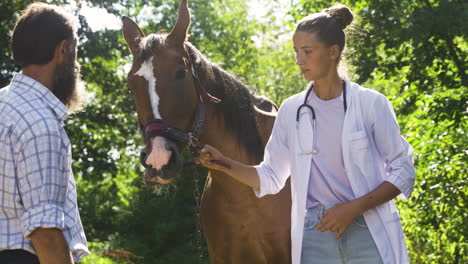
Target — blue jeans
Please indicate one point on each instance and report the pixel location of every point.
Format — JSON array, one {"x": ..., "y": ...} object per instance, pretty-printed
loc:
[
  {"x": 17, "y": 256},
  {"x": 356, "y": 246}
]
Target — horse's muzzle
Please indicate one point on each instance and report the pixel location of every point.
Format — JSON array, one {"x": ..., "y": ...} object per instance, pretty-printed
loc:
[{"x": 167, "y": 172}]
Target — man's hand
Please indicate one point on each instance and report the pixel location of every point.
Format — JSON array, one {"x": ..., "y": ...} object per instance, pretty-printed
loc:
[{"x": 51, "y": 246}]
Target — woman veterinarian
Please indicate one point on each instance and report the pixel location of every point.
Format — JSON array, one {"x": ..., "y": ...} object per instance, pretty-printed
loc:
[{"x": 342, "y": 147}]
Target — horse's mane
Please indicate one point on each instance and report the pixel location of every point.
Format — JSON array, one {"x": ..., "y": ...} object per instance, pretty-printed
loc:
[{"x": 236, "y": 106}]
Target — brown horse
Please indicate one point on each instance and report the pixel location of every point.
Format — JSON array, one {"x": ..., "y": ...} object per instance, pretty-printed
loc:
[{"x": 176, "y": 89}]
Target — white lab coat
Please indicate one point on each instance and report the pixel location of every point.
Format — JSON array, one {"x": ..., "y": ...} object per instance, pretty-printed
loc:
[{"x": 373, "y": 152}]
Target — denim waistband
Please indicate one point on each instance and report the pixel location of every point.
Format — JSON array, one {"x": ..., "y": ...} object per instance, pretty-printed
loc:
[{"x": 317, "y": 211}]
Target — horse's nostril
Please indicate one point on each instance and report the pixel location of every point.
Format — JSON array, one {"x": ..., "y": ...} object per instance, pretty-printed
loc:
[
  {"x": 143, "y": 156},
  {"x": 169, "y": 147},
  {"x": 172, "y": 150}
]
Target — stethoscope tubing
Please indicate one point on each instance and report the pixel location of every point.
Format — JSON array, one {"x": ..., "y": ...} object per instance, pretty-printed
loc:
[{"x": 314, "y": 122}]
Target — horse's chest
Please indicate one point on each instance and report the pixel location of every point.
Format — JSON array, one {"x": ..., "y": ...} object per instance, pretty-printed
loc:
[
  {"x": 240, "y": 228},
  {"x": 218, "y": 205}
]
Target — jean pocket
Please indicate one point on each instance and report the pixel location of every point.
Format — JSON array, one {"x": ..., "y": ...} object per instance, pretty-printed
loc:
[
  {"x": 360, "y": 221},
  {"x": 310, "y": 222}
]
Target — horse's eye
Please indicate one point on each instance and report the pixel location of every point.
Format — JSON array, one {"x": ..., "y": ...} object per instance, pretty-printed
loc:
[
  {"x": 180, "y": 74},
  {"x": 130, "y": 91}
]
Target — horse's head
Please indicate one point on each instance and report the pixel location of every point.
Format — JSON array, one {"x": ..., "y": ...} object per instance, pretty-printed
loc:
[{"x": 165, "y": 94}]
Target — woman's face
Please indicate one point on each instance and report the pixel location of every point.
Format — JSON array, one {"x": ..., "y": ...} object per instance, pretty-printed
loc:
[{"x": 313, "y": 57}]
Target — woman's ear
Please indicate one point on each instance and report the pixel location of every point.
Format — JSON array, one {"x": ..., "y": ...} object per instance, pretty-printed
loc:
[{"x": 334, "y": 52}]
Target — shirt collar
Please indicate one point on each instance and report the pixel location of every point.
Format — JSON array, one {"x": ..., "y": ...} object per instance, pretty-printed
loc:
[
  {"x": 341, "y": 97},
  {"x": 43, "y": 93}
]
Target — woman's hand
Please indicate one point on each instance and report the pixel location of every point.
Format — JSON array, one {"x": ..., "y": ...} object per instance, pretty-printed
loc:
[
  {"x": 213, "y": 159},
  {"x": 339, "y": 218}
]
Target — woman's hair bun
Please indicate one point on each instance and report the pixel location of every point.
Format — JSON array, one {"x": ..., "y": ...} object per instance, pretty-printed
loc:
[{"x": 342, "y": 13}]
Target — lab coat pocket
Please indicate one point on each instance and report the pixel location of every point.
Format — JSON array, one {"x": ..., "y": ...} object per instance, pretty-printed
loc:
[
  {"x": 361, "y": 156},
  {"x": 358, "y": 140}
]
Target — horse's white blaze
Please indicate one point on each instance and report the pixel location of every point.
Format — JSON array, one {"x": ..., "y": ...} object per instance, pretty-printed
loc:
[
  {"x": 159, "y": 155},
  {"x": 146, "y": 71}
]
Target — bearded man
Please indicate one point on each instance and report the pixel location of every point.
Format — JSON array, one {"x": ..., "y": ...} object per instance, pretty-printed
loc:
[{"x": 39, "y": 218}]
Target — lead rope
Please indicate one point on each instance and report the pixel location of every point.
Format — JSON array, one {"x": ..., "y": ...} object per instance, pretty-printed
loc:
[
  {"x": 196, "y": 196},
  {"x": 196, "y": 193}
]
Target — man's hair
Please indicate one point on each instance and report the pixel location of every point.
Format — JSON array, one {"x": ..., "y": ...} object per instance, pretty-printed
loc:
[{"x": 38, "y": 31}]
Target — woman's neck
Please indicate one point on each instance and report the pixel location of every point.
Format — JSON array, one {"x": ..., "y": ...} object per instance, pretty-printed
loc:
[{"x": 329, "y": 87}]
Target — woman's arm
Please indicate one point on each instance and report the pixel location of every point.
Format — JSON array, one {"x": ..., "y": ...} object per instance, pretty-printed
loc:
[
  {"x": 213, "y": 159},
  {"x": 395, "y": 151},
  {"x": 398, "y": 157}
]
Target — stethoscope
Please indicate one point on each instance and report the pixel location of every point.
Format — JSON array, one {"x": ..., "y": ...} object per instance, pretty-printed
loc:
[{"x": 314, "y": 123}]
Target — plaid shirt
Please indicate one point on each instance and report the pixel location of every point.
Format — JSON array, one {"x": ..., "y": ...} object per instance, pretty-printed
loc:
[{"x": 37, "y": 188}]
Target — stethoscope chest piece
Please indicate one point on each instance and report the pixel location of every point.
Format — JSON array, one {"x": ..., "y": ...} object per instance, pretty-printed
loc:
[{"x": 310, "y": 152}]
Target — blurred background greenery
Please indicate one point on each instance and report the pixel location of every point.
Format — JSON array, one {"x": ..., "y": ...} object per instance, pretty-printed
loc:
[{"x": 415, "y": 52}]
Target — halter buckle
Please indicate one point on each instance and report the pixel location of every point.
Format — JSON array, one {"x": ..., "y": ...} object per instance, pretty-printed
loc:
[{"x": 192, "y": 141}]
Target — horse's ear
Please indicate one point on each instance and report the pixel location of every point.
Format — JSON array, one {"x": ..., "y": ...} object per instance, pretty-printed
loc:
[
  {"x": 178, "y": 34},
  {"x": 132, "y": 34}
]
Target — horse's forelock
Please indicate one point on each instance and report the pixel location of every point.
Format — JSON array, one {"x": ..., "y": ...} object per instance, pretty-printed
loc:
[{"x": 150, "y": 44}]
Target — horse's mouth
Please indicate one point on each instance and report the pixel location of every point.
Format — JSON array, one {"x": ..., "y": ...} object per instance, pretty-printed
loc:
[
  {"x": 156, "y": 180},
  {"x": 166, "y": 174},
  {"x": 163, "y": 176}
]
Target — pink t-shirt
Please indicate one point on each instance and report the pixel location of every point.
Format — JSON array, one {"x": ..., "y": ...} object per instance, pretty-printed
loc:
[{"x": 328, "y": 183}]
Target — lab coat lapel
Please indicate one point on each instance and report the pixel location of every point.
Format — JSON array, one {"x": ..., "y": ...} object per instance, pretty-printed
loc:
[
  {"x": 304, "y": 130},
  {"x": 300, "y": 179},
  {"x": 304, "y": 141},
  {"x": 304, "y": 146}
]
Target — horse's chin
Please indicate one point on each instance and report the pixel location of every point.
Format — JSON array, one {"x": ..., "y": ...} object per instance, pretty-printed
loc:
[
  {"x": 163, "y": 176},
  {"x": 157, "y": 180}
]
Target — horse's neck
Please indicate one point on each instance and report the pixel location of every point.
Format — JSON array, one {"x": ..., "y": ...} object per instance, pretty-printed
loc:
[
  {"x": 216, "y": 135},
  {"x": 265, "y": 122}
]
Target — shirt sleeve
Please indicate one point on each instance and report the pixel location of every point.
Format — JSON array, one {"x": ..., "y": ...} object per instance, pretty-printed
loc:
[
  {"x": 42, "y": 182},
  {"x": 274, "y": 170},
  {"x": 395, "y": 151}
]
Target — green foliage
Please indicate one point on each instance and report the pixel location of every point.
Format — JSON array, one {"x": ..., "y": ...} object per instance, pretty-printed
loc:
[
  {"x": 435, "y": 216},
  {"x": 162, "y": 228},
  {"x": 8, "y": 16},
  {"x": 98, "y": 254},
  {"x": 411, "y": 51}
]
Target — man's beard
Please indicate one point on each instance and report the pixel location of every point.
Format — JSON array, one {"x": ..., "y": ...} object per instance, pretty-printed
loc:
[{"x": 68, "y": 87}]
